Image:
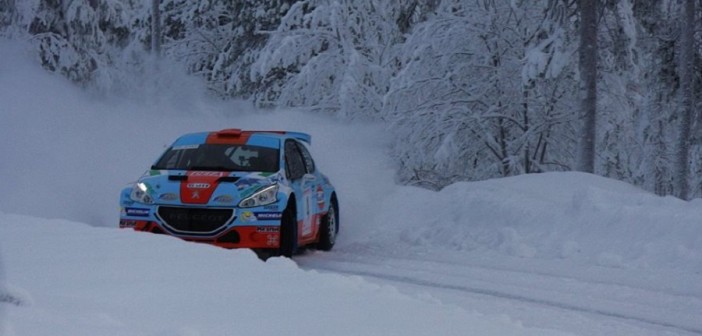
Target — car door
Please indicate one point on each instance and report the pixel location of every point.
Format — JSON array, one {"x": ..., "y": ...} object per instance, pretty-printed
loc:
[
  {"x": 312, "y": 187},
  {"x": 300, "y": 182}
]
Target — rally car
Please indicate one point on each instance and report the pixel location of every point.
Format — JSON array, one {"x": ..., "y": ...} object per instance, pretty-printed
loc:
[{"x": 236, "y": 189}]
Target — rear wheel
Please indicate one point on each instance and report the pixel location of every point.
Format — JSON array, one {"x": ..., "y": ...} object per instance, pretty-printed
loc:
[
  {"x": 288, "y": 232},
  {"x": 328, "y": 229}
]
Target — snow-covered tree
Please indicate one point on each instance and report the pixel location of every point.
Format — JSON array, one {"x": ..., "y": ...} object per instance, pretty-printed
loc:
[
  {"x": 8, "y": 12},
  {"x": 658, "y": 85},
  {"x": 620, "y": 137},
  {"x": 332, "y": 56},
  {"x": 220, "y": 39},
  {"x": 661, "y": 85},
  {"x": 484, "y": 91},
  {"x": 77, "y": 38}
]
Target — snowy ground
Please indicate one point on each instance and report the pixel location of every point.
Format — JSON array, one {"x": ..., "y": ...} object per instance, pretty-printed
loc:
[{"x": 548, "y": 254}]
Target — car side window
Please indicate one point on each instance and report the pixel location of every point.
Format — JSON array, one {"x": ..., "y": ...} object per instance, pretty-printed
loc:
[
  {"x": 294, "y": 163},
  {"x": 307, "y": 157}
]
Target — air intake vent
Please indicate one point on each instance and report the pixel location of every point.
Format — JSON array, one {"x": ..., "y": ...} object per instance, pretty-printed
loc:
[{"x": 195, "y": 220}]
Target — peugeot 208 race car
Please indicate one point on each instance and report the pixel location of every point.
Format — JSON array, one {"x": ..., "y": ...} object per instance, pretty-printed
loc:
[{"x": 236, "y": 189}]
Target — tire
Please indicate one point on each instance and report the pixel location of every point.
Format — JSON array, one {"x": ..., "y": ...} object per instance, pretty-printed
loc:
[
  {"x": 288, "y": 232},
  {"x": 329, "y": 229}
]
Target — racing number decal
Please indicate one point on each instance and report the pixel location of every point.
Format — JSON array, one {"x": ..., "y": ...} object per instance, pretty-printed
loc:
[{"x": 307, "y": 221}]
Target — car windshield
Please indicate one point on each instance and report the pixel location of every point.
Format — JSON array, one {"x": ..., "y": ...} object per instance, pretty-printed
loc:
[{"x": 220, "y": 157}]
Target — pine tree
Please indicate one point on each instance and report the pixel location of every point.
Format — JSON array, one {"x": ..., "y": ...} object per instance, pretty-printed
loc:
[
  {"x": 484, "y": 92},
  {"x": 219, "y": 40},
  {"x": 588, "y": 78},
  {"x": 7, "y": 14},
  {"x": 334, "y": 57},
  {"x": 77, "y": 38},
  {"x": 687, "y": 54}
]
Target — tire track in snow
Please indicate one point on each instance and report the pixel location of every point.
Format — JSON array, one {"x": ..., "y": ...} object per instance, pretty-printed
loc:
[{"x": 505, "y": 296}]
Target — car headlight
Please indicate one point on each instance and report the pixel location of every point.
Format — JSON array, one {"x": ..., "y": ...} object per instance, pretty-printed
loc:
[
  {"x": 140, "y": 193},
  {"x": 263, "y": 196}
]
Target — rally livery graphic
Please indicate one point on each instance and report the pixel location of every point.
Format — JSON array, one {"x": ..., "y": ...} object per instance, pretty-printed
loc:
[{"x": 236, "y": 189}]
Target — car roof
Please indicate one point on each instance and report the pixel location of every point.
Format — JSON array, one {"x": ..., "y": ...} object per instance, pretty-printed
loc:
[{"x": 271, "y": 139}]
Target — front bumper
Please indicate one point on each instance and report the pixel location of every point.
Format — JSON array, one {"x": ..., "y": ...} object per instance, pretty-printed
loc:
[
  {"x": 258, "y": 237},
  {"x": 234, "y": 229}
]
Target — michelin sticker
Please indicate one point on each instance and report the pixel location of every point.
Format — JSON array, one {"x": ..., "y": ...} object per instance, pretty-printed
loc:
[
  {"x": 137, "y": 212},
  {"x": 268, "y": 215}
]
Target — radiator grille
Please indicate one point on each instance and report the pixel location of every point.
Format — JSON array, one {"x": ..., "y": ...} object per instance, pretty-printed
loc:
[{"x": 195, "y": 220}]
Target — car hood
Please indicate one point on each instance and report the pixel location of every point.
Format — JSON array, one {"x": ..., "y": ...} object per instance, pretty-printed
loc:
[{"x": 210, "y": 188}]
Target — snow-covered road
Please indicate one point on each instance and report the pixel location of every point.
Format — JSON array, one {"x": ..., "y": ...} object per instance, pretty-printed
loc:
[
  {"x": 593, "y": 302},
  {"x": 548, "y": 254}
]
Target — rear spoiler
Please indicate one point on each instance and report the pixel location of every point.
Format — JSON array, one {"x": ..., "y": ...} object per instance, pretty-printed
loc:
[
  {"x": 301, "y": 136},
  {"x": 235, "y": 133}
]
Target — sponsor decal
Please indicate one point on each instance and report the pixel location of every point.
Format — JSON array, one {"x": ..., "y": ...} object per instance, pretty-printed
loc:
[
  {"x": 267, "y": 229},
  {"x": 272, "y": 240},
  {"x": 168, "y": 197},
  {"x": 268, "y": 215},
  {"x": 224, "y": 199},
  {"x": 275, "y": 178},
  {"x": 185, "y": 147},
  {"x": 247, "y": 216},
  {"x": 271, "y": 207},
  {"x": 198, "y": 185},
  {"x": 127, "y": 224},
  {"x": 320, "y": 197},
  {"x": 307, "y": 220},
  {"x": 205, "y": 217},
  {"x": 248, "y": 183},
  {"x": 137, "y": 212},
  {"x": 207, "y": 174},
  {"x": 196, "y": 217},
  {"x": 154, "y": 172}
]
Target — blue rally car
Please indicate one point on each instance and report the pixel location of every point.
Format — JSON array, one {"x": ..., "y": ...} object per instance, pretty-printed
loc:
[{"x": 236, "y": 189}]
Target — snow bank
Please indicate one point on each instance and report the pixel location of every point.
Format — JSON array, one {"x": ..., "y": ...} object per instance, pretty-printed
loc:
[
  {"x": 580, "y": 217},
  {"x": 73, "y": 279}
]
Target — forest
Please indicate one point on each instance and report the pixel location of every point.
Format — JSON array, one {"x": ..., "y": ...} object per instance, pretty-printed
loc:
[{"x": 469, "y": 89}]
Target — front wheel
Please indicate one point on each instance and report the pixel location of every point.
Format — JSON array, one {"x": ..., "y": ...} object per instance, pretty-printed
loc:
[
  {"x": 288, "y": 232},
  {"x": 328, "y": 229}
]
